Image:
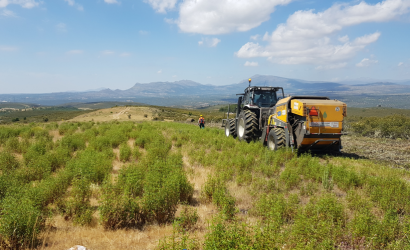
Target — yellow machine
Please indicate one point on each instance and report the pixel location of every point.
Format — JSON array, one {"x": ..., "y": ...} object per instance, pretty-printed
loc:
[
  {"x": 307, "y": 123},
  {"x": 304, "y": 122}
]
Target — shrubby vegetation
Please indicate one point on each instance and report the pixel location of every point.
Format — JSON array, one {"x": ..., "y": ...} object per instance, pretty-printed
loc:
[
  {"x": 292, "y": 201},
  {"x": 394, "y": 126}
]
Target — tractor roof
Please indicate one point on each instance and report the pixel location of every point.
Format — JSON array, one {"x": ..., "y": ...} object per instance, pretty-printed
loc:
[{"x": 263, "y": 88}]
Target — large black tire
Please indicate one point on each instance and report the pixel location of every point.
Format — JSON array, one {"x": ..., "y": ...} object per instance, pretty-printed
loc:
[
  {"x": 276, "y": 139},
  {"x": 230, "y": 128},
  {"x": 247, "y": 126}
]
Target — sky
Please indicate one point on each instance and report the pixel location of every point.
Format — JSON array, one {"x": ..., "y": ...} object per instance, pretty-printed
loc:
[{"x": 65, "y": 45}]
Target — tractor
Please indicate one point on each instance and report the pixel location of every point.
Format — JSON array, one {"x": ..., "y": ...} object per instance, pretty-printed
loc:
[{"x": 304, "y": 122}]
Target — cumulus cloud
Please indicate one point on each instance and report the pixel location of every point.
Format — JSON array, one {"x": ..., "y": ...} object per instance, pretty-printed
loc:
[
  {"x": 366, "y": 62},
  {"x": 251, "y": 64},
  {"x": 307, "y": 37},
  {"x": 75, "y": 52},
  {"x": 159, "y": 71},
  {"x": 74, "y": 4},
  {"x": 209, "y": 42},
  {"x": 111, "y": 1},
  {"x": 400, "y": 64},
  {"x": 8, "y": 13},
  {"x": 255, "y": 37},
  {"x": 162, "y": 6},
  {"x": 28, "y": 4},
  {"x": 212, "y": 17}
]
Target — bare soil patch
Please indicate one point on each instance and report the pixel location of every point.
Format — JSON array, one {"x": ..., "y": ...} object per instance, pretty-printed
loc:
[
  {"x": 394, "y": 152},
  {"x": 118, "y": 113}
]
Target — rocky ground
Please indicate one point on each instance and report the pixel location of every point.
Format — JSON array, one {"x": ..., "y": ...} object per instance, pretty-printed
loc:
[{"x": 395, "y": 153}]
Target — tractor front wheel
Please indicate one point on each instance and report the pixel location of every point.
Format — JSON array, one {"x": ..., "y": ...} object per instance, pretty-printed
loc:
[
  {"x": 230, "y": 128},
  {"x": 247, "y": 126},
  {"x": 276, "y": 138}
]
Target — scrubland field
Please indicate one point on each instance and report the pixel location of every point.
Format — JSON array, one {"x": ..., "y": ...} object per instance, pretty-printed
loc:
[{"x": 127, "y": 184}]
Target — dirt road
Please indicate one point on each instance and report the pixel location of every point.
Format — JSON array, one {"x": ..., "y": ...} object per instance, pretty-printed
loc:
[{"x": 117, "y": 115}]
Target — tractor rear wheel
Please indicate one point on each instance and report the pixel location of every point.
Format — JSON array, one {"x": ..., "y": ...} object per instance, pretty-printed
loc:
[
  {"x": 247, "y": 126},
  {"x": 230, "y": 128},
  {"x": 276, "y": 139}
]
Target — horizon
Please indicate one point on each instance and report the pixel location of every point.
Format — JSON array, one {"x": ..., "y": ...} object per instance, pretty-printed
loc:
[
  {"x": 359, "y": 81},
  {"x": 76, "y": 45}
]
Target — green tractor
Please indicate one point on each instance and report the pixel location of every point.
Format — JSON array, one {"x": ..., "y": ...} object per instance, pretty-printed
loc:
[{"x": 254, "y": 107}]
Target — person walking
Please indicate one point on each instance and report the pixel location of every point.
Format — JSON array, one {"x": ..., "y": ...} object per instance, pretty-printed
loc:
[{"x": 201, "y": 122}]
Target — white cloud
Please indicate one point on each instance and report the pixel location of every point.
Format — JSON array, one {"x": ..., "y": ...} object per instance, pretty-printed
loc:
[
  {"x": 162, "y": 6},
  {"x": 74, "y": 4},
  {"x": 366, "y": 62},
  {"x": 344, "y": 39},
  {"x": 61, "y": 27},
  {"x": 209, "y": 42},
  {"x": 107, "y": 52},
  {"x": 400, "y": 64},
  {"x": 308, "y": 37},
  {"x": 159, "y": 71},
  {"x": 111, "y": 1},
  {"x": 8, "y": 48},
  {"x": 255, "y": 37},
  {"x": 251, "y": 64},
  {"x": 8, "y": 13},
  {"x": 212, "y": 17},
  {"x": 28, "y": 4},
  {"x": 75, "y": 52}
]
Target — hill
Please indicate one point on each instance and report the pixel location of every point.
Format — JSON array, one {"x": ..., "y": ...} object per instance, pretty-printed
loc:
[{"x": 192, "y": 94}]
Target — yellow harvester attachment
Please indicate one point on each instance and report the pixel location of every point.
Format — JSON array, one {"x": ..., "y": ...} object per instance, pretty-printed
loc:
[{"x": 314, "y": 123}]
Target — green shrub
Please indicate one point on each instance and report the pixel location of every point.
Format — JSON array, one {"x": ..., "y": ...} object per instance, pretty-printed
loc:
[
  {"x": 125, "y": 152},
  {"x": 20, "y": 223},
  {"x": 119, "y": 210},
  {"x": 78, "y": 204},
  {"x": 73, "y": 142},
  {"x": 187, "y": 219},
  {"x": 8, "y": 162}
]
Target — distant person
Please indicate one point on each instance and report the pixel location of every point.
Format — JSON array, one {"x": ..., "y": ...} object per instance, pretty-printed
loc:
[{"x": 201, "y": 122}]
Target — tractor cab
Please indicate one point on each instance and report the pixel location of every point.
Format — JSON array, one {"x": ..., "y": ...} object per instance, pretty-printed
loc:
[{"x": 261, "y": 97}]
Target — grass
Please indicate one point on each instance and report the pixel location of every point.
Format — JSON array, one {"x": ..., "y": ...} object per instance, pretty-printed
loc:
[{"x": 244, "y": 196}]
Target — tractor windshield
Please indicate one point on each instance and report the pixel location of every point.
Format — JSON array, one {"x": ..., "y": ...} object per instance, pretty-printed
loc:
[{"x": 264, "y": 98}]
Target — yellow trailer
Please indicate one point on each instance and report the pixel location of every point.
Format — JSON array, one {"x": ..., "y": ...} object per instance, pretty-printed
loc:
[{"x": 306, "y": 123}]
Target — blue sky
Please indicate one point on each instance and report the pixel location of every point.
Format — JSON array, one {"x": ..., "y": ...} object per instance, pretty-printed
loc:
[{"x": 60, "y": 45}]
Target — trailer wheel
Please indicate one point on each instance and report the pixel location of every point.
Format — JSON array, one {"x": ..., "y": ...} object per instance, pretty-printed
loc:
[
  {"x": 276, "y": 139},
  {"x": 247, "y": 125},
  {"x": 230, "y": 128}
]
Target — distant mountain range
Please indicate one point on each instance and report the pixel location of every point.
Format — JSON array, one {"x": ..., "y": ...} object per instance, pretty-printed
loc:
[{"x": 188, "y": 92}]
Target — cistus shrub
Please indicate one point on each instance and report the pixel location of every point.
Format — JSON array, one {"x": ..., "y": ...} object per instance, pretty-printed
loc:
[
  {"x": 125, "y": 152},
  {"x": 186, "y": 220},
  {"x": 165, "y": 184},
  {"x": 90, "y": 164},
  {"x": 73, "y": 142},
  {"x": 145, "y": 193},
  {"x": 20, "y": 223},
  {"x": 215, "y": 190},
  {"x": 78, "y": 206},
  {"x": 118, "y": 209},
  {"x": 394, "y": 126},
  {"x": 8, "y": 162}
]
